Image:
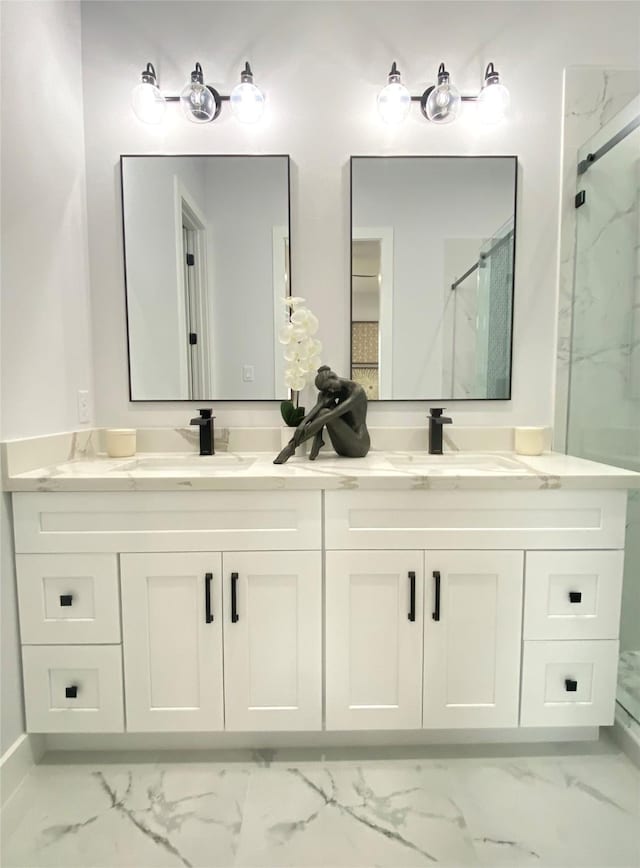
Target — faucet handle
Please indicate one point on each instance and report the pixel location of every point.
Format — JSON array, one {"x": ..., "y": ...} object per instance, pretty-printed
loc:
[
  {"x": 206, "y": 412},
  {"x": 436, "y": 412}
]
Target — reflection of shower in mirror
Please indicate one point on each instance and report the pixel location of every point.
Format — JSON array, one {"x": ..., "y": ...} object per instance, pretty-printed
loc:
[{"x": 432, "y": 275}]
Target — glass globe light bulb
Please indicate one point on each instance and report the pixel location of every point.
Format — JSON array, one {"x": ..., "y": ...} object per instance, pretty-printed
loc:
[
  {"x": 443, "y": 102},
  {"x": 147, "y": 102},
  {"x": 247, "y": 100},
  {"x": 394, "y": 100},
  {"x": 197, "y": 100},
  {"x": 494, "y": 98}
]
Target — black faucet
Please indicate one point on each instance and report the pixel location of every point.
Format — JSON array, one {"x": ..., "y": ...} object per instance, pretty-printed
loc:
[
  {"x": 436, "y": 421},
  {"x": 205, "y": 422}
]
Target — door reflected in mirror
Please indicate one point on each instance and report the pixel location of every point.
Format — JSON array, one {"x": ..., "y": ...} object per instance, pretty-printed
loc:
[
  {"x": 207, "y": 264},
  {"x": 432, "y": 268}
]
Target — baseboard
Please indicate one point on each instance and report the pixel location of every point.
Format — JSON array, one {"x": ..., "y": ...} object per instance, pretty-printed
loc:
[
  {"x": 16, "y": 762},
  {"x": 625, "y": 732},
  {"x": 411, "y": 740}
]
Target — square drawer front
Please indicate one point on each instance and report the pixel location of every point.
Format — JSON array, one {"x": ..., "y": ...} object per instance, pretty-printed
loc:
[
  {"x": 569, "y": 683},
  {"x": 573, "y": 595},
  {"x": 68, "y": 599},
  {"x": 73, "y": 688}
]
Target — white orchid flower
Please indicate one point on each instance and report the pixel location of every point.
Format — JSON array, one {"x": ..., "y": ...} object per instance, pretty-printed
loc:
[
  {"x": 302, "y": 350},
  {"x": 285, "y": 335},
  {"x": 295, "y": 380},
  {"x": 293, "y": 301},
  {"x": 304, "y": 319}
]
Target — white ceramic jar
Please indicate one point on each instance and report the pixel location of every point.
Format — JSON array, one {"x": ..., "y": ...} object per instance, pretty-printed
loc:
[
  {"x": 120, "y": 442},
  {"x": 530, "y": 441}
]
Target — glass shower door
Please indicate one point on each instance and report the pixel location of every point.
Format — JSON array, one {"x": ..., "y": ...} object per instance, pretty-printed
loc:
[
  {"x": 495, "y": 282},
  {"x": 604, "y": 385}
]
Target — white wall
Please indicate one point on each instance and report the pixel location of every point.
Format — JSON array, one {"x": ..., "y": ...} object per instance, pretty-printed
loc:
[
  {"x": 45, "y": 301},
  {"x": 11, "y": 705},
  {"x": 322, "y": 65},
  {"x": 45, "y": 333}
]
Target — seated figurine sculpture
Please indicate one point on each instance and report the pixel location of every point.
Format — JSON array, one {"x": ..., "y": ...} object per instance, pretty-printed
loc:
[{"x": 341, "y": 409}]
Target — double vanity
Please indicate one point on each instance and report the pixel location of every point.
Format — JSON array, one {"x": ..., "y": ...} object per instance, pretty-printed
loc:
[{"x": 174, "y": 593}]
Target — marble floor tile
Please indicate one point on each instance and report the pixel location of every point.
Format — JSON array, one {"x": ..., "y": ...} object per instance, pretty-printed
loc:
[
  {"x": 560, "y": 811},
  {"x": 366, "y": 815},
  {"x": 554, "y": 811},
  {"x": 141, "y": 817}
]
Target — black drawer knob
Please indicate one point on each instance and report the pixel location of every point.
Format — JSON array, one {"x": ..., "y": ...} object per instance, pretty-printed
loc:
[
  {"x": 71, "y": 692},
  {"x": 575, "y": 596},
  {"x": 570, "y": 685},
  {"x": 66, "y": 599}
]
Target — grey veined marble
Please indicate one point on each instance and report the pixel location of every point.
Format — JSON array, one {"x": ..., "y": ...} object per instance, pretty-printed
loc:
[{"x": 555, "y": 811}]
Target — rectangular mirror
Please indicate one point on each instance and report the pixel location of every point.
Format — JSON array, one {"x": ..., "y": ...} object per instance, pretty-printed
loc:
[
  {"x": 206, "y": 266},
  {"x": 432, "y": 264}
]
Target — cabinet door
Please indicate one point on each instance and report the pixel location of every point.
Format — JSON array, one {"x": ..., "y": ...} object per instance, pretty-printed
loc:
[
  {"x": 273, "y": 640},
  {"x": 374, "y": 640},
  {"x": 472, "y": 638},
  {"x": 172, "y": 641}
]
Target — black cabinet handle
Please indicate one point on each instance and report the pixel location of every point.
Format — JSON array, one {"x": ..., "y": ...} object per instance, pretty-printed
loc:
[
  {"x": 234, "y": 598},
  {"x": 71, "y": 692},
  {"x": 207, "y": 597},
  {"x": 436, "y": 608},
  {"x": 570, "y": 685},
  {"x": 575, "y": 596},
  {"x": 66, "y": 599},
  {"x": 412, "y": 596}
]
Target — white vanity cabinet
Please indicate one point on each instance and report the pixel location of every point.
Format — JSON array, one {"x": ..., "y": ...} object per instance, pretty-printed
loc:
[
  {"x": 407, "y": 652},
  {"x": 472, "y": 639},
  {"x": 549, "y": 559},
  {"x": 183, "y": 613},
  {"x": 374, "y": 636},
  {"x": 272, "y": 614},
  {"x": 168, "y": 562},
  {"x": 172, "y": 641},
  {"x": 208, "y": 610}
]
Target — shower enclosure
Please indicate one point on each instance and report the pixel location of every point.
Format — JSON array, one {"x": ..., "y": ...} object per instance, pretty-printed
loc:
[
  {"x": 603, "y": 420},
  {"x": 495, "y": 280}
]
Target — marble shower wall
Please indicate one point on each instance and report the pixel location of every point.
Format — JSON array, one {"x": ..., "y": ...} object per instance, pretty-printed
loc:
[
  {"x": 604, "y": 415},
  {"x": 592, "y": 97}
]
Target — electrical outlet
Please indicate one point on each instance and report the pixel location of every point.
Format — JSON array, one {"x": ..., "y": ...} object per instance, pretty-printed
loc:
[
  {"x": 247, "y": 373},
  {"x": 83, "y": 407}
]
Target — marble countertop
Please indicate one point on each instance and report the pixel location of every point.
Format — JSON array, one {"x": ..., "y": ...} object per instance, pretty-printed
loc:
[{"x": 175, "y": 471}]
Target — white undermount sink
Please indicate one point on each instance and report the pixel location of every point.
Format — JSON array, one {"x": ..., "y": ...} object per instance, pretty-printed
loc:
[
  {"x": 190, "y": 462},
  {"x": 458, "y": 462}
]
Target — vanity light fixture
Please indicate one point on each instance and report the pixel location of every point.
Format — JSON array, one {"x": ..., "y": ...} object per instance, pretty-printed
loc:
[
  {"x": 146, "y": 100},
  {"x": 200, "y": 102},
  {"x": 247, "y": 101},
  {"x": 394, "y": 100},
  {"x": 441, "y": 103},
  {"x": 494, "y": 98}
]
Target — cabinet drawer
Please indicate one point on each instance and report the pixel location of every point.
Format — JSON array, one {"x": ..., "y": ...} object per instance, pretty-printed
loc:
[
  {"x": 573, "y": 595},
  {"x": 544, "y": 519},
  {"x": 569, "y": 683},
  {"x": 73, "y": 688},
  {"x": 68, "y": 599},
  {"x": 137, "y": 521}
]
